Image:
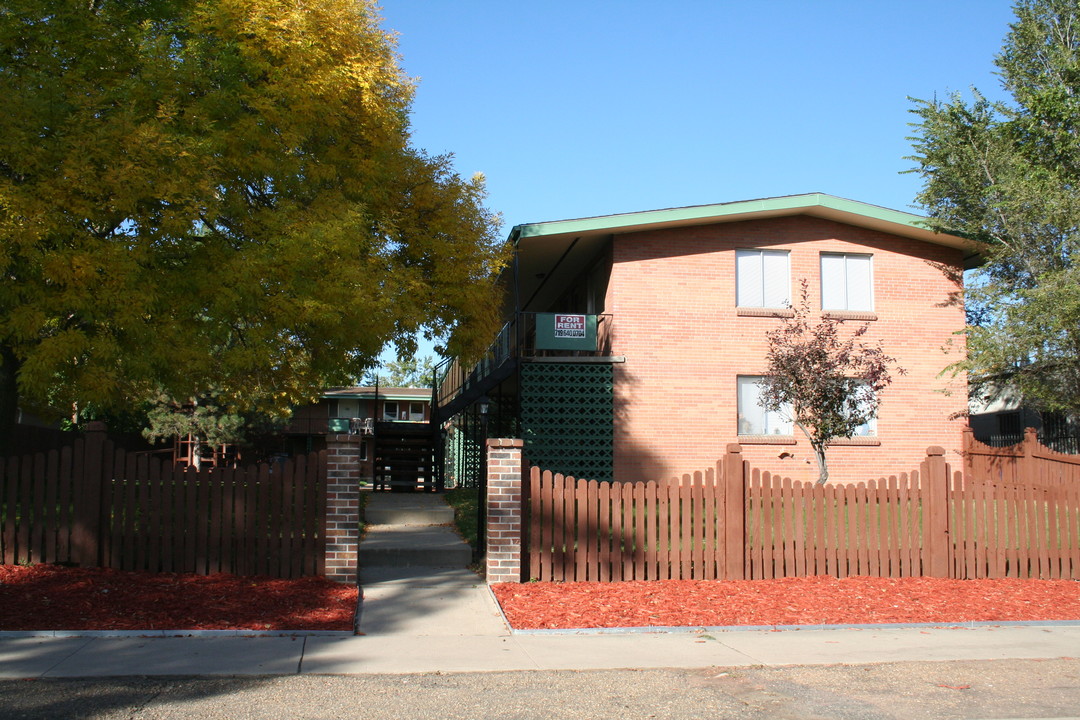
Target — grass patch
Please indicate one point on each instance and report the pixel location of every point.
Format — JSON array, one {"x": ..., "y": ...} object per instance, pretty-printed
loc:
[
  {"x": 363, "y": 506},
  {"x": 465, "y": 502}
]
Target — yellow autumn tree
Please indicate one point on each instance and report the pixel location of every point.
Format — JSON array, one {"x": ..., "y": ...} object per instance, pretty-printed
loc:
[{"x": 220, "y": 193}]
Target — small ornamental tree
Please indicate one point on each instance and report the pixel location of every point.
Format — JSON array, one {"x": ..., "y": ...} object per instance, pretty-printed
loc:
[{"x": 828, "y": 384}]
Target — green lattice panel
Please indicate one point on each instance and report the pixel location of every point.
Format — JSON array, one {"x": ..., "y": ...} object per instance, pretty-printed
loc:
[
  {"x": 567, "y": 418},
  {"x": 462, "y": 448}
]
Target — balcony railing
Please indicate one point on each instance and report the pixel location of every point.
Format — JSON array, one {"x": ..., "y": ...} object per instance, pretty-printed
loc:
[
  {"x": 1068, "y": 444},
  {"x": 327, "y": 426},
  {"x": 517, "y": 339}
]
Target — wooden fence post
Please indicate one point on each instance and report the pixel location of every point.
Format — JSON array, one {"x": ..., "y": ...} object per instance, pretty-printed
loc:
[
  {"x": 1028, "y": 470},
  {"x": 968, "y": 444},
  {"x": 935, "y": 497},
  {"x": 735, "y": 514},
  {"x": 89, "y": 471}
]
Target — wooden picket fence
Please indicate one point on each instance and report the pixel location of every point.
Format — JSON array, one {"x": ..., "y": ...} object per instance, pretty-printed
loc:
[
  {"x": 737, "y": 522},
  {"x": 94, "y": 505}
]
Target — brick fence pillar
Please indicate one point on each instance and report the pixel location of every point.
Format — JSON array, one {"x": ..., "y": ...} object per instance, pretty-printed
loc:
[
  {"x": 342, "y": 506},
  {"x": 504, "y": 510}
]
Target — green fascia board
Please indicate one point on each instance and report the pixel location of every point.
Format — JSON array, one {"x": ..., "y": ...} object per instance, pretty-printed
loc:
[
  {"x": 370, "y": 395},
  {"x": 821, "y": 204}
]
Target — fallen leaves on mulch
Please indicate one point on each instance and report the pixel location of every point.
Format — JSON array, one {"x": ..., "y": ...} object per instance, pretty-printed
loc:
[
  {"x": 789, "y": 601},
  {"x": 49, "y": 597}
]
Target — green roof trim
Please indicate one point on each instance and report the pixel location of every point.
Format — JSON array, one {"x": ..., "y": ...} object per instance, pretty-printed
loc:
[
  {"x": 420, "y": 394},
  {"x": 819, "y": 204}
]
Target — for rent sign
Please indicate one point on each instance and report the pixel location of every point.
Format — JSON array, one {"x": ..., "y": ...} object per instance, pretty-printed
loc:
[{"x": 569, "y": 326}]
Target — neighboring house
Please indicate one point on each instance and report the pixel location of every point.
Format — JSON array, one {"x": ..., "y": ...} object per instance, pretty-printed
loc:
[
  {"x": 365, "y": 411},
  {"x": 634, "y": 343},
  {"x": 998, "y": 416}
]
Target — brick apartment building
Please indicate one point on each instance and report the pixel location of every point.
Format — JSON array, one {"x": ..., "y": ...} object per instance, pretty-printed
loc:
[{"x": 673, "y": 307}]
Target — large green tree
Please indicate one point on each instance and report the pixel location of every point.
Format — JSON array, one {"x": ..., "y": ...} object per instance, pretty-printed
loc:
[
  {"x": 1007, "y": 174},
  {"x": 403, "y": 372},
  {"x": 220, "y": 194}
]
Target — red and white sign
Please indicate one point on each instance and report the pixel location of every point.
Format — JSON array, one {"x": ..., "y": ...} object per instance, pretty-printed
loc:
[{"x": 569, "y": 326}]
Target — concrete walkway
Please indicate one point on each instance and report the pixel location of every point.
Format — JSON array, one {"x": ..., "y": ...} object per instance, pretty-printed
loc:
[
  {"x": 430, "y": 614},
  {"x": 466, "y": 651}
]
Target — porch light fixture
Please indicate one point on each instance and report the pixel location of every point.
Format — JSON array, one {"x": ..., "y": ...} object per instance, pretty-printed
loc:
[{"x": 483, "y": 404}]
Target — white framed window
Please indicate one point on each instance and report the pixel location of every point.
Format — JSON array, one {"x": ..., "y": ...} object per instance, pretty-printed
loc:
[
  {"x": 762, "y": 278},
  {"x": 416, "y": 411},
  {"x": 346, "y": 408},
  {"x": 389, "y": 410},
  {"x": 847, "y": 282},
  {"x": 753, "y": 418}
]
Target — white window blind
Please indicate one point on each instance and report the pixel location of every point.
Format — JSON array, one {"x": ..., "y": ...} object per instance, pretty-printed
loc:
[
  {"x": 846, "y": 282},
  {"x": 762, "y": 278}
]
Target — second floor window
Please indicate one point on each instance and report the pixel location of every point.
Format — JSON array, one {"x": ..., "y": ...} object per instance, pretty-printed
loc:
[
  {"x": 847, "y": 282},
  {"x": 390, "y": 410},
  {"x": 762, "y": 278}
]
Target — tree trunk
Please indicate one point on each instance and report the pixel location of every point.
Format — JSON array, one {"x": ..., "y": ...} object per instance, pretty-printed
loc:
[
  {"x": 823, "y": 466},
  {"x": 819, "y": 453},
  {"x": 196, "y": 451},
  {"x": 9, "y": 397}
]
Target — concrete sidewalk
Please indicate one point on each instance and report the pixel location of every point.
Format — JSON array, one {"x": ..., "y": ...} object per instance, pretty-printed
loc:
[
  {"x": 447, "y": 652},
  {"x": 424, "y": 619}
]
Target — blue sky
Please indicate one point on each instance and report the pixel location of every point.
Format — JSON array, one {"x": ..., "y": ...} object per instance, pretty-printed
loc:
[{"x": 594, "y": 107}]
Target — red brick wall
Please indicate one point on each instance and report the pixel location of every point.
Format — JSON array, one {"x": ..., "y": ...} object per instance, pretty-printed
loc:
[
  {"x": 504, "y": 511},
  {"x": 672, "y": 295},
  {"x": 342, "y": 507}
]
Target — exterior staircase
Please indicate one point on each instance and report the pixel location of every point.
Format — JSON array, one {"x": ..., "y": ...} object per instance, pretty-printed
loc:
[{"x": 404, "y": 456}]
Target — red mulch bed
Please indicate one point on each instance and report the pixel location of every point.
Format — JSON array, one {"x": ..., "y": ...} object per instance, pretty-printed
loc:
[
  {"x": 790, "y": 601},
  {"x": 49, "y": 597}
]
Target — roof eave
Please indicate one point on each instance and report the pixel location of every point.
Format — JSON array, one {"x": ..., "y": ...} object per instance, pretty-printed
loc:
[{"x": 821, "y": 205}]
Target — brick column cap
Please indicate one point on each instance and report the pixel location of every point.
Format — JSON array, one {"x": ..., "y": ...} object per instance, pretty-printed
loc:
[{"x": 505, "y": 443}]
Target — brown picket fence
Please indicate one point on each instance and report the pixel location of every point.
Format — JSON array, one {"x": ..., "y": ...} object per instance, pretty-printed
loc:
[
  {"x": 737, "y": 522},
  {"x": 94, "y": 505}
]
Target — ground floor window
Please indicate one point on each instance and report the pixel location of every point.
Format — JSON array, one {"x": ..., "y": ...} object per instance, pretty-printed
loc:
[{"x": 753, "y": 418}]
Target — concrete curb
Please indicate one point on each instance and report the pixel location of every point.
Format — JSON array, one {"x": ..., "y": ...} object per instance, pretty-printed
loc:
[
  {"x": 680, "y": 630},
  {"x": 658, "y": 630},
  {"x": 7, "y": 634}
]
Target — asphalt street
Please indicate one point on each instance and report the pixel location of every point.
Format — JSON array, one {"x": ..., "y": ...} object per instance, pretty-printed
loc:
[{"x": 960, "y": 689}]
